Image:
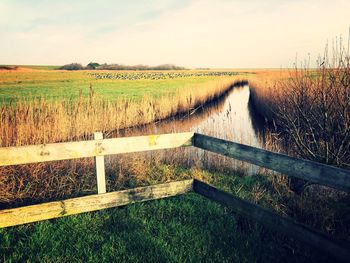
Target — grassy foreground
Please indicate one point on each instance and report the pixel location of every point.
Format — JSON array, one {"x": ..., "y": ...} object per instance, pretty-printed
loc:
[{"x": 187, "y": 228}]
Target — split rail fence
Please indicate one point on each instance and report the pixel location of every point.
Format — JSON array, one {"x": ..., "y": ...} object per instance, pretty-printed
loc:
[{"x": 307, "y": 170}]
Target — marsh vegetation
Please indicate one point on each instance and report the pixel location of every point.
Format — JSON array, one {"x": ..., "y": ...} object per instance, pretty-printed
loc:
[{"x": 119, "y": 105}]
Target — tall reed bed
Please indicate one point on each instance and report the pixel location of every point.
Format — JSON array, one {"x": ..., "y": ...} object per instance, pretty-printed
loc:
[
  {"x": 42, "y": 121},
  {"x": 311, "y": 108}
]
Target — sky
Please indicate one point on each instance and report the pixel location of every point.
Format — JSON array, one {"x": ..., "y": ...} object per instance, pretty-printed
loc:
[{"x": 190, "y": 33}]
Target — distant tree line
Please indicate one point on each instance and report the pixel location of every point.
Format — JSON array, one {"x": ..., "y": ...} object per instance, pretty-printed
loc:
[
  {"x": 5, "y": 67},
  {"x": 105, "y": 66}
]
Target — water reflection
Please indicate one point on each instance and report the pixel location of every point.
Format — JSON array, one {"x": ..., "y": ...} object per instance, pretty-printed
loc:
[{"x": 229, "y": 118}]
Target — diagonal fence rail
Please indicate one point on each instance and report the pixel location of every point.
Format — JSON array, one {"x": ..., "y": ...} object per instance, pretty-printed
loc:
[
  {"x": 303, "y": 169},
  {"x": 99, "y": 147},
  {"x": 313, "y": 238}
]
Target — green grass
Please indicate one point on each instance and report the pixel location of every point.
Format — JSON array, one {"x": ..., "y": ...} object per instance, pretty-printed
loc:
[
  {"x": 68, "y": 84},
  {"x": 187, "y": 228}
]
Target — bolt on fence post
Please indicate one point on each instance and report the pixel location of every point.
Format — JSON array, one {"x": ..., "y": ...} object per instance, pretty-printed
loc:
[{"x": 100, "y": 166}]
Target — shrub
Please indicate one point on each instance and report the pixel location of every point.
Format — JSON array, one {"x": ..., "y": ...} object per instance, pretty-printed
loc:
[
  {"x": 92, "y": 65},
  {"x": 72, "y": 66},
  {"x": 314, "y": 110}
]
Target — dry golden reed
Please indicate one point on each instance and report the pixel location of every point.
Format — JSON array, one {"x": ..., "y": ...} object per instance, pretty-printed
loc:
[
  {"x": 44, "y": 121},
  {"x": 312, "y": 111}
]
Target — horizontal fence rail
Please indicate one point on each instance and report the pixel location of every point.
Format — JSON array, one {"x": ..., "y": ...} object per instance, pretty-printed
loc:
[
  {"x": 34, "y": 213},
  {"x": 98, "y": 147},
  {"x": 307, "y": 170}
]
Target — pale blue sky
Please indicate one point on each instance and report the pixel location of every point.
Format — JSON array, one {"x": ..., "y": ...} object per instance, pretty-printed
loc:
[{"x": 192, "y": 33}]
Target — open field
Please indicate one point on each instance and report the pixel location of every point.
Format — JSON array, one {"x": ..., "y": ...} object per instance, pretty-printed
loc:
[{"x": 26, "y": 83}]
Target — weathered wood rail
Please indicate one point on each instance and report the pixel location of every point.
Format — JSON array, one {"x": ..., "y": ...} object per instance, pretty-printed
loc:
[
  {"x": 99, "y": 147},
  {"x": 310, "y": 171},
  {"x": 318, "y": 240},
  {"x": 33, "y": 213},
  {"x": 92, "y": 148}
]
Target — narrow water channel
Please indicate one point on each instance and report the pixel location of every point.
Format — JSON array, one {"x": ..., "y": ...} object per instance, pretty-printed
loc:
[{"x": 230, "y": 118}]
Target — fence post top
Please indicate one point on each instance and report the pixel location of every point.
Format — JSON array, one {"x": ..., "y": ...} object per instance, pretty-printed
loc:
[{"x": 98, "y": 135}]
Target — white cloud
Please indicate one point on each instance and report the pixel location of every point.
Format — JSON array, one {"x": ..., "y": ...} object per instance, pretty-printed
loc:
[{"x": 198, "y": 34}]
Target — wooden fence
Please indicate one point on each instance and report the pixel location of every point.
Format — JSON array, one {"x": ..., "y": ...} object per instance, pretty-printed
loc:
[{"x": 99, "y": 147}]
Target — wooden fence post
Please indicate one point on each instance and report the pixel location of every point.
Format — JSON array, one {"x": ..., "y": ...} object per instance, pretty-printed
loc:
[{"x": 100, "y": 166}]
